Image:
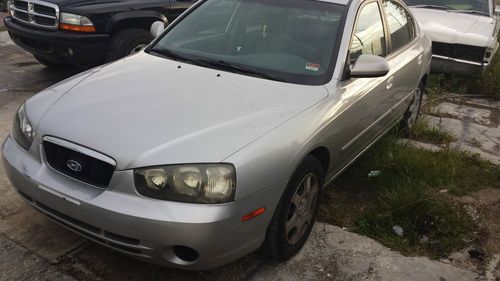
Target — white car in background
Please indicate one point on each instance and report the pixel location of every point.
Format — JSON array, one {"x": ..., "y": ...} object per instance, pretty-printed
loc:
[{"x": 464, "y": 33}]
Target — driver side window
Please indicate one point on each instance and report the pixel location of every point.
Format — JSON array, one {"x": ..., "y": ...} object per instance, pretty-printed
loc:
[{"x": 368, "y": 37}]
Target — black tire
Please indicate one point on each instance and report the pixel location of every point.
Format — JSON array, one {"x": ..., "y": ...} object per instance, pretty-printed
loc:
[
  {"x": 276, "y": 243},
  {"x": 410, "y": 117},
  {"x": 125, "y": 41},
  {"x": 52, "y": 64}
]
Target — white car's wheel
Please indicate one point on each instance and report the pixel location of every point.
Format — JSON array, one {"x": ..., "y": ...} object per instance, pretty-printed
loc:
[
  {"x": 297, "y": 211},
  {"x": 413, "y": 111}
]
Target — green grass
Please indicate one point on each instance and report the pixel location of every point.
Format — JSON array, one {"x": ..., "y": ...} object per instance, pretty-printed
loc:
[
  {"x": 424, "y": 132},
  {"x": 407, "y": 193},
  {"x": 490, "y": 81},
  {"x": 2, "y": 28}
]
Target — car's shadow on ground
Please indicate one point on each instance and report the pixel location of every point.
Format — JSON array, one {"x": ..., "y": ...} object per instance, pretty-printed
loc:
[{"x": 92, "y": 261}]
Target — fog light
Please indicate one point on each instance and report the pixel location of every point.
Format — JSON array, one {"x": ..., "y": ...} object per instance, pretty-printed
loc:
[{"x": 186, "y": 254}]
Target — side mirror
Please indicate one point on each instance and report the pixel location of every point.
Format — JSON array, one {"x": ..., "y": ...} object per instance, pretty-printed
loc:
[
  {"x": 368, "y": 66},
  {"x": 157, "y": 28}
]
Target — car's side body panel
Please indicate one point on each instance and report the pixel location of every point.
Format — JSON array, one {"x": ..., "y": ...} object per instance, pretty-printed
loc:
[{"x": 340, "y": 118}]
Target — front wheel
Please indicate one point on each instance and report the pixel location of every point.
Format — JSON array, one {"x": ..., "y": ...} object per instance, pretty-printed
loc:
[
  {"x": 127, "y": 42},
  {"x": 296, "y": 212}
]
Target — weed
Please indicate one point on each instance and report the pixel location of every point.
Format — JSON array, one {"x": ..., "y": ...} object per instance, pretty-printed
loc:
[
  {"x": 489, "y": 83},
  {"x": 406, "y": 193},
  {"x": 422, "y": 131}
]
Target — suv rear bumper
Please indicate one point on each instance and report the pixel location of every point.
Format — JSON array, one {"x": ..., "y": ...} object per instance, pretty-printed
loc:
[{"x": 59, "y": 46}]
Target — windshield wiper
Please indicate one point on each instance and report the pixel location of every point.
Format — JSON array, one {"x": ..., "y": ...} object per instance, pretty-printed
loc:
[
  {"x": 225, "y": 65},
  {"x": 166, "y": 53},
  {"x": 469, "y": 12},
  {"x": 219, "y": 64},
  {"x": 438, "y": 7}
]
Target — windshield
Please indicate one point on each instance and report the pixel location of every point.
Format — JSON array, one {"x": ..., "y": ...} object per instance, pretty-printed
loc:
[
  {"x": 481, "y": 6},
  {"x": 284, "y": 40}
]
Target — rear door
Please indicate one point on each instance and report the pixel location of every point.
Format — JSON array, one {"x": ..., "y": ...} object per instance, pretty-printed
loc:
[{"x": 405, "y": 57}]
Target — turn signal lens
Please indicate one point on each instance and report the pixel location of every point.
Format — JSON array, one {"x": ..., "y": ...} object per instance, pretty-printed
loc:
[
  {"x": 220, "y": 182},
  {"x": 77, "y": 28}
]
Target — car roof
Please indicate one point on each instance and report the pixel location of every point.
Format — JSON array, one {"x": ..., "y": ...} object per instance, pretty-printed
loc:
[{"x": 342, "y": 2}]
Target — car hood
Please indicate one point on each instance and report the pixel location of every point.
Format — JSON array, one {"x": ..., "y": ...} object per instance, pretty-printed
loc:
[
  {"x": 130, "y": 4},
  {"x": 146, "y": 111},
  {"x": 455, "y": 28}
]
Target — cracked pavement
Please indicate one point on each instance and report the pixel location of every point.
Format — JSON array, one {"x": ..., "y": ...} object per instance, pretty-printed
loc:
[{"x": 34, "y": 248}]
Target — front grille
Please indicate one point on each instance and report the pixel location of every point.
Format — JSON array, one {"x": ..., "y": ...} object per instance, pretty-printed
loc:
[
  {"x": 33, "y": 44},
  {"x": 21, "y": 5},
  {"x": 21, "y": 15},
  {"x": 37, "y": 13},
  {"x": 44, "y": 10},
  {"x": 85, "y": 168},
  {"x": 459, "y": 51}
]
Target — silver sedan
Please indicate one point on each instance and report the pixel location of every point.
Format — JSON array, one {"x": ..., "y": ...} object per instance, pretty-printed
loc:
[{"x": 218, "y": 138}]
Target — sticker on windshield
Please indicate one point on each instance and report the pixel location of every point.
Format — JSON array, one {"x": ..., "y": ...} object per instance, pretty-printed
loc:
[{"x": 312, "y": 66}]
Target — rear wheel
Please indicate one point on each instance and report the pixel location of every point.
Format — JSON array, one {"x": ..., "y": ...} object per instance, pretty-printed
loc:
[
  {"x": 127, "y": 42},
  {"x": 413, "y": 111},
  {"x": 296, "y": 212}
]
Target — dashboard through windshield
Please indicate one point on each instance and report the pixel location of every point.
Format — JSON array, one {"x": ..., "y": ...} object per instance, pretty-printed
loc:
[{"x": 285, "y": 40}]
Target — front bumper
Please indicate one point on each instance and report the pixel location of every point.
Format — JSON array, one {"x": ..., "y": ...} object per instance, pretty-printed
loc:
[
  {"x": 145, "y": 228},
  {"x": 457, "y": 66},
  {"x": 86, "y": 49}
]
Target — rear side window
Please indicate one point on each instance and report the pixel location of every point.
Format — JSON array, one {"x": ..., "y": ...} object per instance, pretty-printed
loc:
[
  {"x": 401, "y": 25},
  {"x": 368, "y": 37}
]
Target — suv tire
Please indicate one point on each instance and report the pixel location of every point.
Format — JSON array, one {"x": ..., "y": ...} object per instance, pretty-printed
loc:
[{"x": 125, "y": 42}]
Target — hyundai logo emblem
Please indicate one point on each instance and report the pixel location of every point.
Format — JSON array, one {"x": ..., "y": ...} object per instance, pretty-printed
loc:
[{"x": 74, "y": 165}]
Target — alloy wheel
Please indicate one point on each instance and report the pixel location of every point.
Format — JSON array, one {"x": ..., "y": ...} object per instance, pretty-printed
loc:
[
  {"x": 301, "y": 209},
  {"x": 414, "y": 107}
]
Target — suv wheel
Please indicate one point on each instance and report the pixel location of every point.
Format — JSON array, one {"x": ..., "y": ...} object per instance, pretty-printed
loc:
[
  {"x": 296, "y": 212},
  {"x": 126, "y": 42}
]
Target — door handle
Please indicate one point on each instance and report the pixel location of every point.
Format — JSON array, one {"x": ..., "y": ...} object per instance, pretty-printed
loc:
[
  {"x": 389, "y": 84},
  {"x": 420, "y": 59}
]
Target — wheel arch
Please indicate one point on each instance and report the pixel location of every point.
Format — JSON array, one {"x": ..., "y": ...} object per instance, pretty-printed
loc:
[
  {"x": 323, "y": 155},
  {"x": 425, "y": 79},
  {"x": 134, "y": 19}
]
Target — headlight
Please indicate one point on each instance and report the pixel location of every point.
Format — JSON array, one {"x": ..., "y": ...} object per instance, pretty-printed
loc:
[
  {"x": 22, "y": 131},
  {"x": 202, "y": 183},
  {"x": 74, "y": 22}
]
